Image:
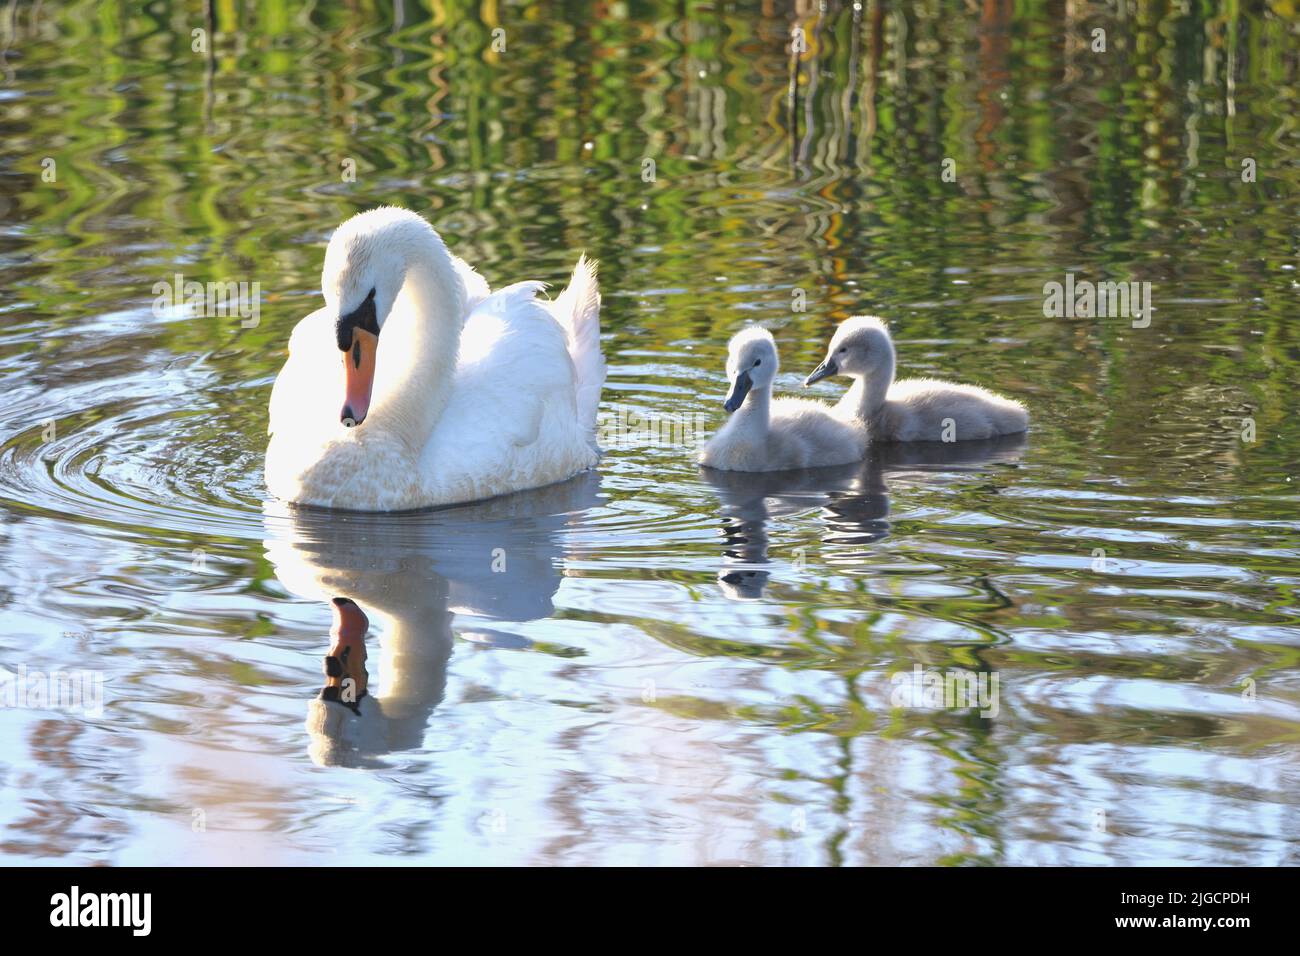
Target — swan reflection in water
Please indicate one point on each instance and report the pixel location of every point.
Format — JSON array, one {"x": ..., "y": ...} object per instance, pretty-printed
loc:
[
  {"x": 397, "y": 583},
  {"x": 853, "y": 498}
]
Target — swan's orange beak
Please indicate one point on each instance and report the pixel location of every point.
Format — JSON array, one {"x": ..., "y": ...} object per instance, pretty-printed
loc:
[{"x": 358, "y": 377}]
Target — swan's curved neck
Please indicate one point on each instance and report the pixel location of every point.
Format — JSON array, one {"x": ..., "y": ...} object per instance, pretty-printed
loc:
[{"x": 420, "y": 342}]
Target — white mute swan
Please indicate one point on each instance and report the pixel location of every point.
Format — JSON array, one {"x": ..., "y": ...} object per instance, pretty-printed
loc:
[
  {"x": 915, "y": 409},
  {"x": 774, "y": 435},
  {"x": 416, "y": 385}
]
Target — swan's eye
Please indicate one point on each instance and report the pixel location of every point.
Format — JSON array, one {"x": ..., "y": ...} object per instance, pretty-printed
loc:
[
  {"x": 757, "y": 362},
  {"x": 843, "y": 349}
]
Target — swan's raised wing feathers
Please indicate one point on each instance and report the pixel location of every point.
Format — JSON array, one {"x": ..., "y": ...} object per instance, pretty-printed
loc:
[{"x": 514, "y": 393}]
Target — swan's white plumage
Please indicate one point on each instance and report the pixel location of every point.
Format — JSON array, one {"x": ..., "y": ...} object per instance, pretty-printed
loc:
[
  {"x": 476, "y": 287},
  {"x": 578, "y": 312},
  {"x": 477, "y": 393},
  {"x": 767, "y": 434},
  {"x": 917, "y": 409}
]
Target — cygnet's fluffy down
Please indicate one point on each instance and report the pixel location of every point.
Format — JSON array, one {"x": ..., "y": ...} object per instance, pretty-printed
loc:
[
  {"x": 916, "y": 409},
  {"x": 766, "y": 434}
]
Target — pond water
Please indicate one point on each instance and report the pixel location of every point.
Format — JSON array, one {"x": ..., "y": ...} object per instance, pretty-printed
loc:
[{"x": 650, "y": 664}]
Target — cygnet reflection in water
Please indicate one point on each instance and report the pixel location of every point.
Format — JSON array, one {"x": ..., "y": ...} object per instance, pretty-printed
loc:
[{"x": 853, "y": 500}]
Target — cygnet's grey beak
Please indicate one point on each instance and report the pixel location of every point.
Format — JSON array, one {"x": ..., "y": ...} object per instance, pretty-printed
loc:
[
  {"x": 825, "y": 370},
  {"x": 739, "y": 389}
]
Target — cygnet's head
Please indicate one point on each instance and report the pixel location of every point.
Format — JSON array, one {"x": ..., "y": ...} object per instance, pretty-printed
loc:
[
  {"x": 860, "y": 348},
  {"x": 743, "y": 584},
  {"x": 751, "y": 363}
]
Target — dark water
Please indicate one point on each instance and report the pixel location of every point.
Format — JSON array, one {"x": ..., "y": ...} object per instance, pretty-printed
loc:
[{"x": 673, "y": 667}]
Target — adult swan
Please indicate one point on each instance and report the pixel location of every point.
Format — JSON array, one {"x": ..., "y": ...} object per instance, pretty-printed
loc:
[{"x": 416, "y": 385}]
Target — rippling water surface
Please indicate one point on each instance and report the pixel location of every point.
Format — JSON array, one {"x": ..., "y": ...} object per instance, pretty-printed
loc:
[{"x": 651, "y": 664}]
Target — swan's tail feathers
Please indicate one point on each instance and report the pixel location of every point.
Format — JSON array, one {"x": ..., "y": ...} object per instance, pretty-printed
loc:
[{"x": 578, "y": 311}]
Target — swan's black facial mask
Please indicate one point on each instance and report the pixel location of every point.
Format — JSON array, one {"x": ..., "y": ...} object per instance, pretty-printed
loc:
[{"x": 363, "y": 317}]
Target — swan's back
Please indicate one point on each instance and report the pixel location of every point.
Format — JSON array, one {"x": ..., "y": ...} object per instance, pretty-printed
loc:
[
  {"x": 512, "y": 420},
  {"x": 927, "y": 409}
]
